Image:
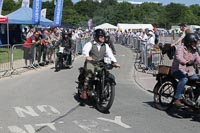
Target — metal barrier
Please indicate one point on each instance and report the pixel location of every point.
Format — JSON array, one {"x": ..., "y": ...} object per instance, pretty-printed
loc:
[
  {"x": 5, "y": 60},
  {"x": 12, "y": 58},
  {"x": 17, "y": 53},
  {"x": 156, "y": 58}
]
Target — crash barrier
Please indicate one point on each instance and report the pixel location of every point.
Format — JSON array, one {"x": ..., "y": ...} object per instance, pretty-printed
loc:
[
  {"x": 150, "y": 59},
  {"x": 133, "y": 41},
  {"x": 146, "y": 59},
  {"x": 12, "y": 57},
  {"x": 5, "y": 66},
  {"x": 79, "y": 43}
]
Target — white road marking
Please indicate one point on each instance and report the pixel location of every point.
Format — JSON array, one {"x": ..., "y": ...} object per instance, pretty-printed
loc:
[
  {"x": 49, "y": 110},
  {"x": 117, "y": 121},
  {"x": 83, "y": 126},
  {"x": 50, "y": 125},
  {"x": 30, "y": 129},
  {"x": 61, "y": 122},
  {"x": 27, "y": 110},
  {"x": 43, "y": 109},
  {"x": 16, "y": 129},
  {"x": 89, "y": 126}
]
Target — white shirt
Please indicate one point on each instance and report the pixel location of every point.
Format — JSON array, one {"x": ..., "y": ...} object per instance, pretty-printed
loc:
[
  {"x": 88, "y": 47},
  {"x": 150, "y": 42},
  {"x": 75, "y": 36}
]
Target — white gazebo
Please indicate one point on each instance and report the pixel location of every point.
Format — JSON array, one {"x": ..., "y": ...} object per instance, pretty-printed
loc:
[
  {"x": 106, "y": 26},
  {"x": 122, "y": 27}
]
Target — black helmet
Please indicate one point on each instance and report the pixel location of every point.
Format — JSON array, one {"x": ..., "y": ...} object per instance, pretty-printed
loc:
[
  {"x": 98, "y": 33},
  {"x": 64, "y": 33},
  {"x": 190, "y": 38}
]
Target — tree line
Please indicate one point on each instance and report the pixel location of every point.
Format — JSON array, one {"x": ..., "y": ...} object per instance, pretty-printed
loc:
[{"x": 112, "y": 12}]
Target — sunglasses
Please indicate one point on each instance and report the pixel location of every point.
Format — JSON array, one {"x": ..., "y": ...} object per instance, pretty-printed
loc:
[{"x": 101, "y": 36}]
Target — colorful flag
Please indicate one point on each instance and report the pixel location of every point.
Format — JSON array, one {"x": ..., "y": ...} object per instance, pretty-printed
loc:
[
  {"x": 25, "y": 3},
  {"x": 37, "y": 6},
  {"x": 58, "y": 12},
  {"x": 90, "y": 22},
  {"x": 43, "y": 12},
  {"x": 1, "y": 5}
]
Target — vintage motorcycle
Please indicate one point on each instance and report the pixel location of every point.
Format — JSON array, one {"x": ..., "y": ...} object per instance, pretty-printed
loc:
[
  {"x": 165, "y": 89},
  {"x": 60, "y": 62},
  {"x": 101, "y": 86}
]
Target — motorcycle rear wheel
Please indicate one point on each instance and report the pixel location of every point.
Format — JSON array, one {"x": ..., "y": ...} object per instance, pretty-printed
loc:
[
  {"x": 105, "y": 100},
  {"x": 58, "y": 64},
  {"x": 164, "y": 95}
]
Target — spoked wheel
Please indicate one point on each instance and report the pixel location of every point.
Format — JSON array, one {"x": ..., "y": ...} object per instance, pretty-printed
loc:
[
  {"x": 105, "y": 98},
  {"x": 164, "y": 95},
  {"x": 57, "y": 64}
]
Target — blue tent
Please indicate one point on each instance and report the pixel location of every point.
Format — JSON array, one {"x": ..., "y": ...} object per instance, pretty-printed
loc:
[{"x": 23, "y": 15}]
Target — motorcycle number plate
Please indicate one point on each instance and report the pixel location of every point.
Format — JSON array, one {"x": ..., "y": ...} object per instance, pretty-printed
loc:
[{"x": 61, "y": 49}]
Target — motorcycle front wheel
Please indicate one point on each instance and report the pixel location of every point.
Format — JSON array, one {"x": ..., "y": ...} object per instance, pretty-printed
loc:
[
  {"x": 105, "y": 98},
  {"x": 164, "y": 95}
]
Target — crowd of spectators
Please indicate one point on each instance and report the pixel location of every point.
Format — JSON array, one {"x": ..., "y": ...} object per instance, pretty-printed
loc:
[{"x": 39, "y": 44}]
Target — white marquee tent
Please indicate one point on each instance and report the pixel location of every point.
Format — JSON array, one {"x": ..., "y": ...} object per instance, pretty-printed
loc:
[
  {"x": 127, "y": 27},
  {"x": 106, "y": 26}
]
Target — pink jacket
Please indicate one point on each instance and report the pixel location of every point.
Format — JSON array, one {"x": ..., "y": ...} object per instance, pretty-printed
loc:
[{"x": 182, "y": 57}]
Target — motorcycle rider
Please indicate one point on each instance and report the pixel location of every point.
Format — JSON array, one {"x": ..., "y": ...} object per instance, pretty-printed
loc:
[
  {"x": 110, "y": 44},
  {"x": 68, "y": 44},
  {"x": 95, "y": 50},
  {"x": 183, "y": 64}
]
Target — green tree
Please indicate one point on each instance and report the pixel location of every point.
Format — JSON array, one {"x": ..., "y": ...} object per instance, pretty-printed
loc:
[
  {"x": 9, "y": 6},
  {"x": 86, "y": 8},
  {"x": 175, "y": 13}
]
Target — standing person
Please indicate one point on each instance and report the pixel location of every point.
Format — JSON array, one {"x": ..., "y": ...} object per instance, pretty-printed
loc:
[
  {"x": 23, "y": 35},
  {"x": 50, "y": 47},
  {"x": 110, "y": 44},
  {"x": 95, "y": 50},
  {"x": 54, "y": 36},
  {"x": 30, "y": 32},
  {"x": 148, "y": 49},
  {"x": 183, "y": 64},
  {"x": 29, "y": 48},
  {"x": 183, "y": 27},
  {"x": 156, "y": 33},
  {"x": 45, "y": 43}
]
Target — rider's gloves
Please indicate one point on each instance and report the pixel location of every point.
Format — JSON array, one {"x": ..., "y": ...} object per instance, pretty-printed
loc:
[{"x": 190, "y": 63}]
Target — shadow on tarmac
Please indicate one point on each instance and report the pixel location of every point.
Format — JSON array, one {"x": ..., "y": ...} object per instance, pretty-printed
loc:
[
  {"x": 180, "y": 113},
  {"x": 89, "y": 102}
]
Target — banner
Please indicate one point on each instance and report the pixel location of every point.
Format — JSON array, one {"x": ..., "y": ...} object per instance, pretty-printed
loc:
[
  {"x": 25, "y": 3},
  {"x": 37, "y": 6},
  {"x": 89, "y": 23},
  {"x": 43, "y": 12},
  {"x": 1, "y": 5},
  {"x": 58, "y": 12}
]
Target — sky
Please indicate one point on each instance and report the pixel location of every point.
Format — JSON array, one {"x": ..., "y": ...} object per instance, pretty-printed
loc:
[{"x": 165, "y": 2}]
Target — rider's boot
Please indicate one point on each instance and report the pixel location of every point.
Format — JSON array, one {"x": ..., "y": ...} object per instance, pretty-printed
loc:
[
  {"x": 83, "y": 94},
  {"x": 84, "y": 91},
  {"x": 178, "y": 103}
]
